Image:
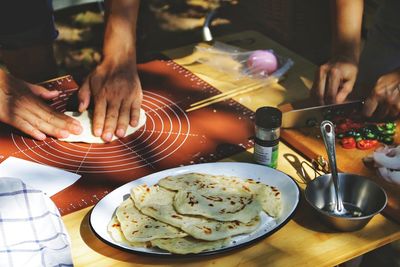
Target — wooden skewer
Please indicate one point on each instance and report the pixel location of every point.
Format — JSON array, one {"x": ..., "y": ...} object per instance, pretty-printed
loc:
[
  {"x": 224, "y": 94},
  {"x": 229, "y": 94},
  {"x": 249, "y": 89}
]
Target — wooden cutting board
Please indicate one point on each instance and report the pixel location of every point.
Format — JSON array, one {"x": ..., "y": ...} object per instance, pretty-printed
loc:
[{"x": 308, "y": 141}]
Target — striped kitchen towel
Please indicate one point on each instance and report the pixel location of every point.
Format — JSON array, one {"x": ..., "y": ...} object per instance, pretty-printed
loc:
[{"x": 31, "y": 229}]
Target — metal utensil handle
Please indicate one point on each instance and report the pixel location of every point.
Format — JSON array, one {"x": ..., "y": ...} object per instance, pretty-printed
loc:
[{"x": 328, "y": 134}]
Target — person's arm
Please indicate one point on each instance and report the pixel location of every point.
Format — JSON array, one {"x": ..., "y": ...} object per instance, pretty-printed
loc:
[
  {"x": 335, "y": 79},
  {"x": 114, "y": 84},
  {"x": 346, "y": 29}
]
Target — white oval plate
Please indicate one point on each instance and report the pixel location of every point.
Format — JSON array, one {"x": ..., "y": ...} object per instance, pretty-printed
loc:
[{"x": 105, "y": 208}]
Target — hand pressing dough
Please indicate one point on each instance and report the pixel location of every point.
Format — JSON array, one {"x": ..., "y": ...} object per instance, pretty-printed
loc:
[{"x": 85, "y": 118}]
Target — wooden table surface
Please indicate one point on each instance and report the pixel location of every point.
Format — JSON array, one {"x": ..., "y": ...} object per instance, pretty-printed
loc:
[{"x": 303, "y": 241}]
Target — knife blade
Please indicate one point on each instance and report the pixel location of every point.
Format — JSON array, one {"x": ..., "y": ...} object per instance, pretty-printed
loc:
[{"x": 312, "y": 116}]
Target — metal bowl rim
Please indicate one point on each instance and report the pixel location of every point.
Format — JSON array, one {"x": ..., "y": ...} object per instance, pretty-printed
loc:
[{"x": 338, "y": 216}]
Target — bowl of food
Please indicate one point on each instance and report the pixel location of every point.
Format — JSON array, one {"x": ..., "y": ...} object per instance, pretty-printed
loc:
[
  {"x": 347, "y": 202},
  {"x": 362, "y": 199}
]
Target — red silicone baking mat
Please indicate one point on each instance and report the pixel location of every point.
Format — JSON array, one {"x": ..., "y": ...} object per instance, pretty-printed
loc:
[{"x": 170, "y": 138}]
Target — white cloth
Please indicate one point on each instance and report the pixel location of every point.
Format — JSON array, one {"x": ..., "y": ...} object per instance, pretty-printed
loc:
[{"x": 31, "y": 230}]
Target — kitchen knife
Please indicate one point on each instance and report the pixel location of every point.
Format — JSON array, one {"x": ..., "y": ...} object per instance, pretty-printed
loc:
[{"x": 312, "y": 116}]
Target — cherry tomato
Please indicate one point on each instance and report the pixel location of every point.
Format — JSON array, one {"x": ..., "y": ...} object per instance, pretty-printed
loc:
[
  {"x": 348, "y": 142},
  {"x": 367, "y": 144}
]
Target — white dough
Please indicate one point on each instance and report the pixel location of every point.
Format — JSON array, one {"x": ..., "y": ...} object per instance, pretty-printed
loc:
[
  {"x": 87, "y": 136},
  {"x": 388, "y": 157}
]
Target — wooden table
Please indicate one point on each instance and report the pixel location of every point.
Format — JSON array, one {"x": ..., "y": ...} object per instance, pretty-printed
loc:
[{"x": 303, "y": 241}]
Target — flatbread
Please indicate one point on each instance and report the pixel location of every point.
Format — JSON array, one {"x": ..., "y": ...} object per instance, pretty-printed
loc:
[
  {"x": 269, "y": 197},
  {"x": 219, "y": 203},
  {"x": 114, "y": 229},
  {"x": 87, "y": 134},
  {"x": 157, "y": 202},
  {"x": 188, "y": 245},
  {"x": 202, "y": 182},
  {"x": 179, "y": 245},
  {"x": 138, "y": 227},
  {"x": 189, "y": 181}
]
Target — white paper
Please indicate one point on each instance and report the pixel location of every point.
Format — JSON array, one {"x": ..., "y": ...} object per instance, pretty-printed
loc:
[{"x": 50, "y": 180}]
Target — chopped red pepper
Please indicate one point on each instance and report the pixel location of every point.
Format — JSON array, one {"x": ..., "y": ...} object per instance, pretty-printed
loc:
[
  {"x": 348, "y": 142},
  {"x": 342, "y": 128},
  {"x": 340, "y": 119},
  {"x": 356, "y": 125},
  {"x": 366, "y": 144}
]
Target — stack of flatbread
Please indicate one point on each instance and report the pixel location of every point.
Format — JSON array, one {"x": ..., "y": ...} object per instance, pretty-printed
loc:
[{"x": 193, "y": 212}]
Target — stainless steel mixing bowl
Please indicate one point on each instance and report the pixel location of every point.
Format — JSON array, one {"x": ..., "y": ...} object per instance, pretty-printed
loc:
[{"x": 359, "y": 194}]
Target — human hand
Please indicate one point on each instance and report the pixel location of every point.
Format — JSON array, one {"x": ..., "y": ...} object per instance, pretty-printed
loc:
[
  {"x": 117, "y": 95},
  {"x": 21, "y": 106},
  {"x": 334, "y": 81},
  {"x": 385, "y": 96}
]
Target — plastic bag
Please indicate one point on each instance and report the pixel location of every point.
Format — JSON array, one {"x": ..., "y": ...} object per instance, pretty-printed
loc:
[{"x": 258, "y": 64}]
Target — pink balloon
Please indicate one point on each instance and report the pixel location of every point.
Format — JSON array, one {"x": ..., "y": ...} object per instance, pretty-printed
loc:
[{"x": 262, "y": 62}]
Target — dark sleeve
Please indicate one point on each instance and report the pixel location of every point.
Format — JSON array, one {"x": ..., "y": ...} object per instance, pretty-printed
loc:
[
  {"x": 18, "y": 16},
  {"x": 26, "y": 23}
]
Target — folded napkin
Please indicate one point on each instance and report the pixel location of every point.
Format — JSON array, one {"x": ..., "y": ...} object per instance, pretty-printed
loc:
[{"x": 31, "y": 230}]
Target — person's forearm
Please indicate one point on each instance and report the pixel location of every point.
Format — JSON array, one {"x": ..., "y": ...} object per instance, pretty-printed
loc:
[
  {"x": 347, "y": 16},
  {"x": 120, "y": 33}
]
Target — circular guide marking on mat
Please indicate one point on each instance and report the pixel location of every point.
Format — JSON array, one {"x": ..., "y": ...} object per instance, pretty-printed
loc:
[{"x": 167, "y": 128}]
